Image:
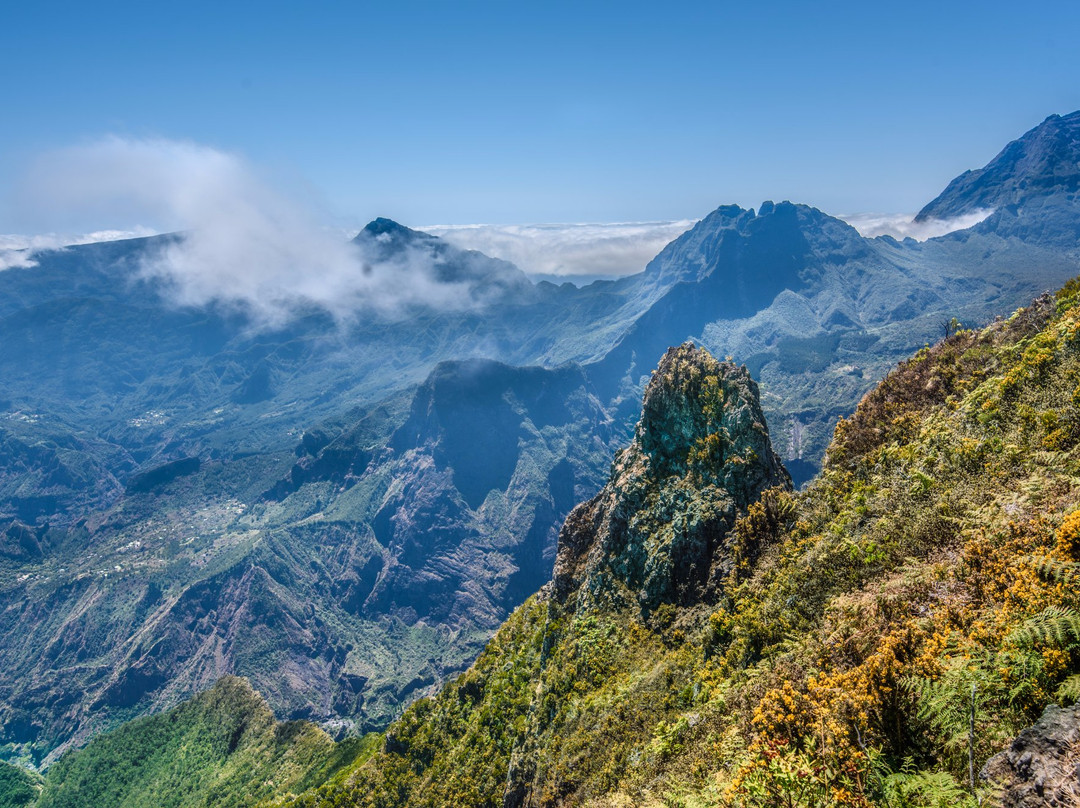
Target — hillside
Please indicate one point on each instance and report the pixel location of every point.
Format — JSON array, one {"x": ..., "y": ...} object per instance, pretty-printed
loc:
[
  {"x": 222, "y": 748},
  {"x": 831, "y": 654}
]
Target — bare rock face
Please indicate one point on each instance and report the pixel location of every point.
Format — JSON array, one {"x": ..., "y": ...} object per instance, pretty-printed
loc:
[
  {"x": 1041, "y": 769},
  {"x": 700, "y": 455}
]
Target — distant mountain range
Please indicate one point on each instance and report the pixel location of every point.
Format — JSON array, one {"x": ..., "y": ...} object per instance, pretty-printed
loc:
[{"x": 343, "y": 511}]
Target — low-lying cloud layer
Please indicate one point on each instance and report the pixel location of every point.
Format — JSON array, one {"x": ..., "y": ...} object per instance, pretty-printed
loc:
[
  {"x": 584, "y": 252},
  {"x": 18, "y": 250},
  {"x": 903, "y": 225},
  {"x": 242, "y": 242},
  {"x": 568, "y": 251}
]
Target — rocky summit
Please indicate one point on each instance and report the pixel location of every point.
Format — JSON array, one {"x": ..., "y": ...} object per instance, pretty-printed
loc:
[
  {"x": 1040, "y": 163},
  {"x": 700, "y": 455}
]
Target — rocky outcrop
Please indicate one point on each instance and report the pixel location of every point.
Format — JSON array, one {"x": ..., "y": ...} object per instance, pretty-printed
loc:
[
  {"x": 700, "y": 455},
  {"x": 1041, "y": 769}
]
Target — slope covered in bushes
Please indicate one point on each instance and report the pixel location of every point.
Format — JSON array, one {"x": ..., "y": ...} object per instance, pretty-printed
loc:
[
  {"x": 847, "y": 634},
  {"x": 223, "y": 748}
]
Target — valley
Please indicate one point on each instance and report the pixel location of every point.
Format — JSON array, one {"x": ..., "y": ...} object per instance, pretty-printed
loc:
[{"x": 345, "y": 510}]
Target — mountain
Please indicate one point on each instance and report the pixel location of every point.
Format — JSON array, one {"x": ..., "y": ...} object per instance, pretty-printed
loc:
[
  {"x": 489, "y": 278},
  {"x": 851, "y": 642},
  {"x": 1042, "y": 163},
  {"x": 343, "y": 509},
  {"x": 710, "y": 637},
  {"x": 819, "y": 313}
]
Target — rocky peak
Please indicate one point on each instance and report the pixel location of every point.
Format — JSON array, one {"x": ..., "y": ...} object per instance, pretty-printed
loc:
[
  {"x": 701, "y": 417},
  {"x": 746, "y": 259},
  {"x": 384, "y": 240},
  {"x": 488, "y": 279},
  {"x": 1044, "y": 162},
  {"x": 657, "y": 531},
  {"x": 387, "y": 230}
]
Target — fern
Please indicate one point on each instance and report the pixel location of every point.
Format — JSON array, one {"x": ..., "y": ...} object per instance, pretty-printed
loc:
[
  {"x": 1053, "y": 626},
  {"x": 1055, "y": 570},
  {"x": 923, "y": 789},
  {"x": 1068, "y": 692},
  {"x": 945, "y": 703}
]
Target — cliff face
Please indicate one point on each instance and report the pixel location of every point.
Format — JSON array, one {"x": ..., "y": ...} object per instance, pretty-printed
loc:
[{"x": 700, "y": 455}]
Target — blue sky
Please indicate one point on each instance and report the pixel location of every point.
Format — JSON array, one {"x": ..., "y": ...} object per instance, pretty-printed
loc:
[{"x": 556, "y": 112}]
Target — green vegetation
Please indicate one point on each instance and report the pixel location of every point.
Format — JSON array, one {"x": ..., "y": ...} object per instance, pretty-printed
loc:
[
  {"x": 222, "y": 748},
  {"x": 926, "y": 578},
  {"x": 18, "y": 787}
]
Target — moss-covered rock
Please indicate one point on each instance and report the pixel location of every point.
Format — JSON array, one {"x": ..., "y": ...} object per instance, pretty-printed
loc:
[{"x": 700, "y": 455}]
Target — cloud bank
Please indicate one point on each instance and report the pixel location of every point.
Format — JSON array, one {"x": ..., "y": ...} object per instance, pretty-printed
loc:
[
  {"x": 584, "y": 252},
  {"x": 572, "y": 252},
  {"x": 903, "y": 225},
  {"x": 242, "y": 242},
  {"x": 19, "y": 250}
]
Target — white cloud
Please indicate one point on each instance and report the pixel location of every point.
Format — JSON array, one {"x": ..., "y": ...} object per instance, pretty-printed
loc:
[
  {"x": 243, "y": 242},
  {"x": 19, "y": 250},
  {"x": 568, "y": 250},
  {"x": 587, "y": 251},
  {"x": 16, "y": 259},
  {"x": 903, "y": 225}
]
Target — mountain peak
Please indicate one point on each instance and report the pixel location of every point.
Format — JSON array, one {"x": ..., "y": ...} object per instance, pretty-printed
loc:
[
  {"x": 386, "y": 230},
  {"x": 777, "y": 237},
  {"x": 1043, "y": 162},
  {"x": 700, "y": 456}
]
